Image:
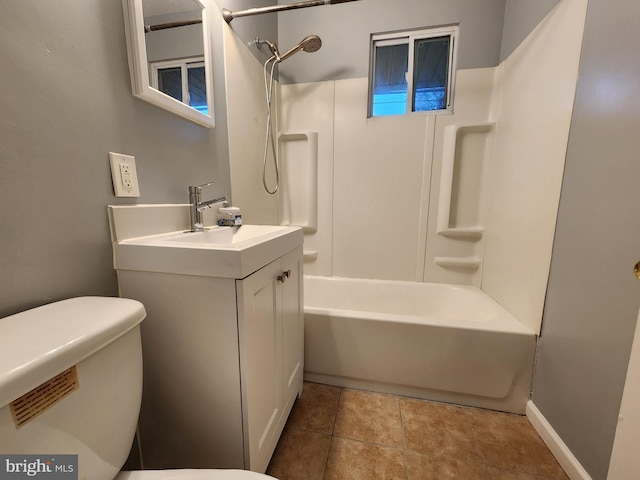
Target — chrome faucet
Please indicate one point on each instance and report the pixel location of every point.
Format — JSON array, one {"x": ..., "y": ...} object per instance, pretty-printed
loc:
[{"x": 196, "y": 206}]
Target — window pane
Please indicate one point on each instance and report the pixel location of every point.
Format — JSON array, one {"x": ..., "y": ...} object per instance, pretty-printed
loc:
[
  {"x": 198, "y": 89},
  {"x": 390, "y": 83},
  {"x": 170, "y": 81},
  {"x": 430, "y": 75}
]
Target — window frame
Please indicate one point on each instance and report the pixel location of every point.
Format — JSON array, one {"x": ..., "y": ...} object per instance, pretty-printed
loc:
[
  {"x": 184, "y": 64},
  {"x": 409, "y": 37}
]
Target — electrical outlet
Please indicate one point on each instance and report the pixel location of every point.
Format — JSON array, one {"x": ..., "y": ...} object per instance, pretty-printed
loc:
[{"x": 123, "y": 174}]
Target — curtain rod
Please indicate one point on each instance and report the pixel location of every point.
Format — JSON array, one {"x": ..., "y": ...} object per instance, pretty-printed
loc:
[
  {"x": 229, "y": 15},
  {"x": 164, "y": 26}
]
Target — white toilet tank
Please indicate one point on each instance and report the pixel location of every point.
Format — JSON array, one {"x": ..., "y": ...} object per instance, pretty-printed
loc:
[{"x": 71, "y": 382}]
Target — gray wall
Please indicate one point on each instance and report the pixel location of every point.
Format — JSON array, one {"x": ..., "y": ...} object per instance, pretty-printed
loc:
[
  {"x": 65, "y": 102},
  {"x": 345, "y": 30},
  {"x": 593, "y": 295},
  {"x": 248, "y": 28},
  {"x": 520, "y": 18},
  {"x": 174, "y": 43}
]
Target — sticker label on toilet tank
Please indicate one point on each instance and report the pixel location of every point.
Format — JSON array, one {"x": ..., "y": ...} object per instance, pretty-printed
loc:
[{"x": 52, "y": 467}]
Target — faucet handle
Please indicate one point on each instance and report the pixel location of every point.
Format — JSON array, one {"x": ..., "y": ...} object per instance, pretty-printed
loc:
[
  {"x": 197, "y": 189},
  {"x": 200, "y": 187}
]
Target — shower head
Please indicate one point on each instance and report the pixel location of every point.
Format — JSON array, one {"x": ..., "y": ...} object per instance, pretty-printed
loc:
[{"x": 309, "y": 44}]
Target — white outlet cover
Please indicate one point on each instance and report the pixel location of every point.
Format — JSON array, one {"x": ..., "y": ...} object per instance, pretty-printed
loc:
[{"x": 119, "y": 187}]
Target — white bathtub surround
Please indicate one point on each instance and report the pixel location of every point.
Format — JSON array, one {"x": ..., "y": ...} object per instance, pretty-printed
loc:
[
  {"x": 378, "y": 181},
  {"x": 370, "y": 171},
  {"x": 298, "y": 160},
  {"x": 387, "y": 173},
  {"x": 309, "y": 107},
  {"x": 462, "y": 151},
  {"x": 439, "y": 342},
  {"x": 378, "y": 171},
  {"x": 536, "y": 86},
  {"x": 565, "y": 458}
]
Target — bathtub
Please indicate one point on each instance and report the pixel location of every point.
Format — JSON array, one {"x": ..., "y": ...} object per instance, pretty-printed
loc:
[{"x": 440, "y": 342}]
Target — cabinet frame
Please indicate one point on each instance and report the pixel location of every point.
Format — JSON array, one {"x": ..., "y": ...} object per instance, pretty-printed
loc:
[{"x": 196, "y": 411}]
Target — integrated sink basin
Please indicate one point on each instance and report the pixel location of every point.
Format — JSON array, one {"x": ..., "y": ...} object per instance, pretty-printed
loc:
[
  {"x": 228, "y": 252},
  {"x": 221, "y": 237}
]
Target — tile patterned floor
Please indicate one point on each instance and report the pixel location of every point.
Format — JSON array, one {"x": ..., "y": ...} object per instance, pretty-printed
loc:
[{"x": 337, "y": 433}]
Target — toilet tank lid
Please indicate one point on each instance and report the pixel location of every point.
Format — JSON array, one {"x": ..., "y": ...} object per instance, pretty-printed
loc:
[{"x": 40, "y": 343}]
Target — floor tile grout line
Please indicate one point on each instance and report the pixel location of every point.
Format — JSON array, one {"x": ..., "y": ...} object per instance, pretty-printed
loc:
[
  {"x": 335, "y": 415},
  {"x": 366, "y": 442},
  {"x": 474, "y": 438},
  {"x": 312, "y": 430},
  {"x": 326, "y": 460},
  {"x": 404, "y": 446},
  {"x": 332, "y": 434}
]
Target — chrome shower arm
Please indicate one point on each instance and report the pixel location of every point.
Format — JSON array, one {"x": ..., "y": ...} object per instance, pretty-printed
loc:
[{"x": 228, "y": 15}]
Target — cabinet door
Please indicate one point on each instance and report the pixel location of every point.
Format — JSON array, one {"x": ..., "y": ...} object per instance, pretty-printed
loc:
[
  {"x": 260, "y": 332},
  {"x": 292, "y": 327}
]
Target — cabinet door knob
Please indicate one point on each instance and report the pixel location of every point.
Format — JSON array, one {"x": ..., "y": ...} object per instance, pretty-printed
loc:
[{"x": 283, "y": 278}]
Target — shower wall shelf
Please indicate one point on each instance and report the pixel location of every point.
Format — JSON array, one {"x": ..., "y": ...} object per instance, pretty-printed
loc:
[
  {"x": 450, "y": 143},
  {"x": 309, "y": 255},
  {"x": 471, "y": 263},
  {"x": 468, "y": 233},
  {"x": 298, "y": 196}
]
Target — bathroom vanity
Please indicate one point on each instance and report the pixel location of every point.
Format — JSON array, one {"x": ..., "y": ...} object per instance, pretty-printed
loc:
[{"x": 222, "y": 341}]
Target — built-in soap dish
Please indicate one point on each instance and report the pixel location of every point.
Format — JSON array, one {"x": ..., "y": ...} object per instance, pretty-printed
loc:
[{"x": 467, "y": 263}]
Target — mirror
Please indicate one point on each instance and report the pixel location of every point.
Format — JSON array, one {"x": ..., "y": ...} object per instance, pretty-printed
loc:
[{"x": 168, "y": 44}]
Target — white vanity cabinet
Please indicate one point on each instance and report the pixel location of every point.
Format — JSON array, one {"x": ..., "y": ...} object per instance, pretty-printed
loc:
[
  {"x": 223, "y": 363},
  {"x": 271, "y": 352}
]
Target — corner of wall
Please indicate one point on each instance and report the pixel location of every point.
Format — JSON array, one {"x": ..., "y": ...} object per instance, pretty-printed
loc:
[
  {"x": 246, "y": 117},
  {"x": 559, "y": 449}
]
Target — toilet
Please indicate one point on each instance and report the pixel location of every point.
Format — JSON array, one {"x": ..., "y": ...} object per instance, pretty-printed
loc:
[{"x": 71, "y": 384}]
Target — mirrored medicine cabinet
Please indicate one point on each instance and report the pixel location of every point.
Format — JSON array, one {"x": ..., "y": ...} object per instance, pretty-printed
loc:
[{"x": 169, "y": 44}]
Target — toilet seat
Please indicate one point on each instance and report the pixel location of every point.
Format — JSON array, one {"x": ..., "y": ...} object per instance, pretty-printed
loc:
[{"x": 191, "y": 474}]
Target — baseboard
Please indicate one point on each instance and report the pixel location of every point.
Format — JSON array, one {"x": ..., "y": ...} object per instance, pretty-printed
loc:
[{"x": 558, "y": 448}]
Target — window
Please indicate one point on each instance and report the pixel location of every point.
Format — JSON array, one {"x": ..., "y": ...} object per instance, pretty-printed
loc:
[
  {"x": 412, "y": 71},
  {"x": 183, "y": 80}
]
